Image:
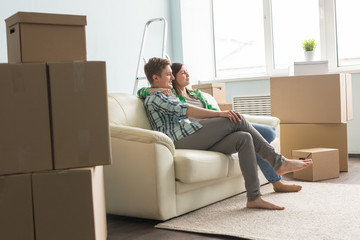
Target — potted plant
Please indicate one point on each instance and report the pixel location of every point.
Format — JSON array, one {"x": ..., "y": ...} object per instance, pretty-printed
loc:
[{"x": 309, "y": 47}]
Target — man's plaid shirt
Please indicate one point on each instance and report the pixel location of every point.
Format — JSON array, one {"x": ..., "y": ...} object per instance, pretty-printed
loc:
[{"x": 168, "y": 115}]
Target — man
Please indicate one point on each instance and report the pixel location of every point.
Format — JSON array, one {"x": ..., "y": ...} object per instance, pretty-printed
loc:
[{"x": 228, "y": 132}]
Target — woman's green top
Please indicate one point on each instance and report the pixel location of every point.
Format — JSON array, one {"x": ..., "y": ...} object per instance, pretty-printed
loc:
[{"x": 195, "y": 93}]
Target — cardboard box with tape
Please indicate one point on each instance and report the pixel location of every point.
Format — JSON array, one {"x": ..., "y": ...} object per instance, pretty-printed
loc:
[
  {"x": 327, "y": 135},
  {"x": 323, "y": 98},
  {"x": 25, "y": 142},
  {"x": 79, "y": 114},
  {"x": 16, "y": 218},
  {"x": 325, "y": 163},
  {"x": 69, "y": 204},
  {"x": 43, "y": 37}
]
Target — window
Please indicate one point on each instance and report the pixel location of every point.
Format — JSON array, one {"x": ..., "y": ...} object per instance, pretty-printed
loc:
[
  {"x": 293, "y": 22},
  {"x": 239, "y": 46},
  {"x": 348, "y": 37},
  {"x": 247, "y": 39}
]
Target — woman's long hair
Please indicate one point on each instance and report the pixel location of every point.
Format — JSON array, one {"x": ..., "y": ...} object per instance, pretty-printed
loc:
[{"x": 175, "y": 67}]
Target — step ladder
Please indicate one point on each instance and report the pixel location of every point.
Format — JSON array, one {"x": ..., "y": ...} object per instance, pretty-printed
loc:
[{"x": 141, "y": 57}]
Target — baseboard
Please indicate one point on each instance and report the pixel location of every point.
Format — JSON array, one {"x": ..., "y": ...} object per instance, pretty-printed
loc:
[{"x": 354, "y": 155}]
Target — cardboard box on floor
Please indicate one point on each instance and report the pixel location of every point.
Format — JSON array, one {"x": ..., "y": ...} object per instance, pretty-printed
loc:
[
  {"x": 16, "y": 212},
  {"x": 325, "y": 164},
  {"x": 312, "y": 99},
  {"x": 79, "y": 114},
  {"x": 69, "y": 204},
  {"x": 302, "y": 136},
  {"x": 217, "y": 90},
  {"x": 25, "y": 143},
  {"x": 41, "y": 37}
]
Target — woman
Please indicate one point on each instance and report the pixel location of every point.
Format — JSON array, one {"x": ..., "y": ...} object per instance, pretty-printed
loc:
[{"x": 196, "y": 98}]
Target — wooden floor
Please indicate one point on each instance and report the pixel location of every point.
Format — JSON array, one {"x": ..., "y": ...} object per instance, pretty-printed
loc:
[{"x": 126, "y": 228}]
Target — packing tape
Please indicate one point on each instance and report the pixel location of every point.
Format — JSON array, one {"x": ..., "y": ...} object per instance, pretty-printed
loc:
[
  {"x": 17, "y": 78},
  {"x": 84, "y": 146},
  {"x": 79, "y": 76}
]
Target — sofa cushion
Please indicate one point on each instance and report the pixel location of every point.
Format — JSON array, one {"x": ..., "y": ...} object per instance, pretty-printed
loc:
[{"x": 193, "y": 166}]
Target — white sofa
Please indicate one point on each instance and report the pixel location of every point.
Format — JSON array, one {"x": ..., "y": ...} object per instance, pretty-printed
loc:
[{"x": 151, "y": 179}]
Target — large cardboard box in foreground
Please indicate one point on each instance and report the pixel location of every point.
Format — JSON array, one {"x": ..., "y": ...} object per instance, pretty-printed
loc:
[
  {"x": 41, "y": 37},
  {"x": 16, "y": 212},
  {"x": 325, "y": 163},
  {"x": 69, "y": 204},
  {"x": 302, "y": 136},
  {"x": 79, "y": 114},
  {"x": 323, "y": 98},
  {"x": 25, "y": 143},
  {"x": 217, "y": 90}
]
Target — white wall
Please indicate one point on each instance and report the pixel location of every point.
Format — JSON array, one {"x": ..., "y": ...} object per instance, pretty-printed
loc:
[
  {"x": 175, "y": 30},
  {"x": 197, "y": 39},
  {"x": 113, "y": 33},
  {"x": 354, "y": 125}
]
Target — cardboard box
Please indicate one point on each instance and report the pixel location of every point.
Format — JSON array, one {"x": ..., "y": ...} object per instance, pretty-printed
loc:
[
  {"x": 302, "y": 136},
  {"x": 16, "y": 218},
  {"x": 312, "y": 99},
  {"x": 40, "y": 37},
  {"x": 79, "y": 114},
  {"x": 225, "y": 106},
  {"x": 217, "y": 90},
  {"x": 25, "y": 143},
  {"x": 309, "y": 68},
  {"x": 325, "y": 164},
  {"x": 70, "y": 204}
]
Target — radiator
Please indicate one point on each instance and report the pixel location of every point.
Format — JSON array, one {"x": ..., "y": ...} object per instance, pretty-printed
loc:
[{"x": 253, "y": 105}]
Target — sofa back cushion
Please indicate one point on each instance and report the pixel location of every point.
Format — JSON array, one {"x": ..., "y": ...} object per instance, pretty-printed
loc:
[
  {"x": 127, "y": 110},
  {"x": 211, "y": 100}
]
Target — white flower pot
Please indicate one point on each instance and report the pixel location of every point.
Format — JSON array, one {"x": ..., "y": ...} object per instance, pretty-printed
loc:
[{"x": 309, "y": 55}]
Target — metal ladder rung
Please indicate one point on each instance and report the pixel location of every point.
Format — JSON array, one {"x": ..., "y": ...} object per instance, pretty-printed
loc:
[{"x": 137, "y": 78}]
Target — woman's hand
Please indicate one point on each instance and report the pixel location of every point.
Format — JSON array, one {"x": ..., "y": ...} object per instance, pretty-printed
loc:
[
  {"x": 233, "y": 116},
  {"x": 202, "y": 113},
  {"x": 166, "y": 91}
]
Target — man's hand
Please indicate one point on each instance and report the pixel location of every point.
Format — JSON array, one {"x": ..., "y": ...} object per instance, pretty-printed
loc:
[
  {"x": 166, "y": 91},
  {"x": 233, "y": 116}
]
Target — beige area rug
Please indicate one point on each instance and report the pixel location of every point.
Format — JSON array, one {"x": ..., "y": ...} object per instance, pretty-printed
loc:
[{"x": 318, "y": 211}]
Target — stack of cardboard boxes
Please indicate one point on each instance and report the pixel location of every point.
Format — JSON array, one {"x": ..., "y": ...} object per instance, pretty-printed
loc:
[
  {"x": 54, "y": 131},
  {"x": 313, "y": 110}
]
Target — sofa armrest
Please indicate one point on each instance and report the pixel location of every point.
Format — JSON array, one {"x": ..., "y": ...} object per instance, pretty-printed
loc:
[
  {"x": 140, "y": 182},
  {"x": 142, "y": 135},
  {"x": 267, "y": 120},
  {"x": 270, "y": 121}
]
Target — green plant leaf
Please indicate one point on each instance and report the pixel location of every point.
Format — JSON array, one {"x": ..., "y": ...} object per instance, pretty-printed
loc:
[{"x": 309, "y": 44}]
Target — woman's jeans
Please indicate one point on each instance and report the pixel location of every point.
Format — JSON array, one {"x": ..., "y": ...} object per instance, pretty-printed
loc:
[{"x": 269, "y": 134}]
